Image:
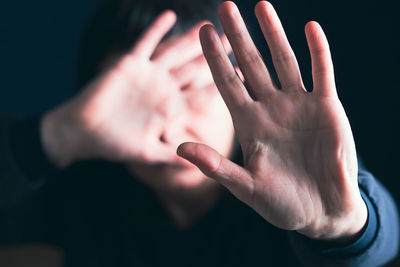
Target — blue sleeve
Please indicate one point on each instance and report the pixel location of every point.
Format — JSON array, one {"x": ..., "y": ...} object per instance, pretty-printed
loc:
[{"x": 378, "y": 244}]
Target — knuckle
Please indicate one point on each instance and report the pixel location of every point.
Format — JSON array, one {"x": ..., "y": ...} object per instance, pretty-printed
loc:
[
  {"x": 325, "y": 75},
  {"x": 216, "y": 58},
  {"x": 323, "y": 71},
  {"x": 227, "y": 79},
  {"x": 271, "y": 31},
  {"x": 319, "y": 52},
  {"x": 249, "y": 59},
  {"x": 283, "y": 57},
  {"x": 237, "y": 36}
]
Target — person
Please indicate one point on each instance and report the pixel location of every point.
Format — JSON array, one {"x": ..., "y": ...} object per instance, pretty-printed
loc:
[{"x": 99, "y": 175}]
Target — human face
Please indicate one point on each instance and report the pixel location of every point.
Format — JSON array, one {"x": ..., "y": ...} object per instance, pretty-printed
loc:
[{"x": 212, "y": 126}]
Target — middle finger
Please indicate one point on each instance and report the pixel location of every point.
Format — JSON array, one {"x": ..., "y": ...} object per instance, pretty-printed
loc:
[
  {"x": 246, "y": 53},
  {"x": 195, "y": 73},
  {"x": 181, "y": 50},
  {"x": 282, "y": 54}
]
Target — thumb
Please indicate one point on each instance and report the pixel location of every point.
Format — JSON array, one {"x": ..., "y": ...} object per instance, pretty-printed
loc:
[{"x": 234, "y": 177}]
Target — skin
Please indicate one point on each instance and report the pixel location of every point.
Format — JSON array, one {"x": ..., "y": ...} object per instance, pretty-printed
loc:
[
  {"x": 300, "y": 168},
  {"x": 141, "y": 107},
  {"x": 129, "y": 114}
]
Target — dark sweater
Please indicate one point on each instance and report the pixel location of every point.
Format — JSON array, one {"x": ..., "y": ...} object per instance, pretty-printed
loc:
[{"x": 101, "y": 216}]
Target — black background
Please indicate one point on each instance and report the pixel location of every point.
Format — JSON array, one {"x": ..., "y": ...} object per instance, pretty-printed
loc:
[{"x": 39, "y": 41}]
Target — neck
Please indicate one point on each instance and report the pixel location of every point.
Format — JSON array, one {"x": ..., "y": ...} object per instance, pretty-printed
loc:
[{"x": 187, "y": 205}]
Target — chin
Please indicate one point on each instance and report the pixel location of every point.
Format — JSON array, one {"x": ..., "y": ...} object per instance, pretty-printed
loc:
[
  {"x": 168, "y": 177},
  {"x": 184, "y": 178},
  {"x": 172, "y": 178}
]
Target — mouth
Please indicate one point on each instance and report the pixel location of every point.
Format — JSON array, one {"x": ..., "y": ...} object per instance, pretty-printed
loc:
[
  {"x": 183, "y": 164},
  {"x": 179, "y": 164}
]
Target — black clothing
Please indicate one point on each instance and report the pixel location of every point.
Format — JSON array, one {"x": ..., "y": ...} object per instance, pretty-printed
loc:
[{"x": 100, "y": 216}]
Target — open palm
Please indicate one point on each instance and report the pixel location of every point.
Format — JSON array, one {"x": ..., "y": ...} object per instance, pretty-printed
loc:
[
  {"x": 300, "y": 168},
  {"x": 123, "y": 113}
]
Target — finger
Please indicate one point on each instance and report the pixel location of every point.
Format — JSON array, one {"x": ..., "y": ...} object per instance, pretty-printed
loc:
[
  {"x": 162, "y": 46},
  {"x": 154, "y": 34},
  {"x": 247, "y": 55},
  {"x": 182, "y": 50},
  {"x": 235, "y": 178},
  {"x": 195, "y": 73},
  {"x": 196, "y": 76},
  {"x": 283, "y": 57},
  {"x": 200, "y": 98},
  {"x": 322, "y": 66},
  {"x": 229, "y": 84}
]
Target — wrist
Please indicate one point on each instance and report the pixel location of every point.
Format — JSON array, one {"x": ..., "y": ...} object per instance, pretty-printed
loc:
[
  {"x": 343, "y": 229},
  {"x": 59, "y": 137}
]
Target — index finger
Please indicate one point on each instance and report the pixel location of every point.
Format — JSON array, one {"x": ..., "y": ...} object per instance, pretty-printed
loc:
[
  {"x": 154, "y": 34},
  {"x": 225, "y": 77}
]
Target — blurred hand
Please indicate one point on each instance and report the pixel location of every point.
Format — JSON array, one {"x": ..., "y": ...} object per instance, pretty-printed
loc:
[
  {"x": 124, "y": 114},
  {"x": 300, "y": 168}
]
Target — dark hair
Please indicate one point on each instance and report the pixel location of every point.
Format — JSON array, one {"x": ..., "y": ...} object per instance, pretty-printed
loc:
[{"x": 117, "y": 24}]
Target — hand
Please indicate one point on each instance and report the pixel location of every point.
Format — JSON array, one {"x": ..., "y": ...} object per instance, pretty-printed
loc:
[
  {"x": 300, "y": 165},
  {"x": 123, "y": 114}
]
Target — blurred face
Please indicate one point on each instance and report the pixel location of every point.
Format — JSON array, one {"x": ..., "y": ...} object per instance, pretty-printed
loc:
[
  {"x": 210, "y": 124},
  {"x": 198, "y": 115}
]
